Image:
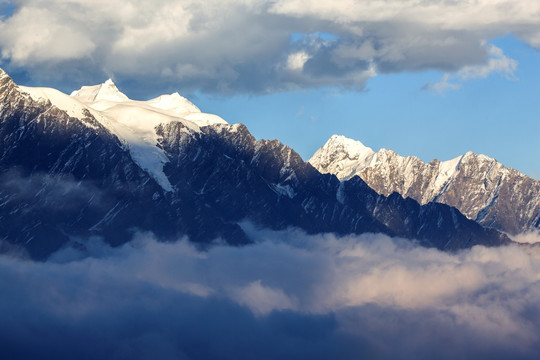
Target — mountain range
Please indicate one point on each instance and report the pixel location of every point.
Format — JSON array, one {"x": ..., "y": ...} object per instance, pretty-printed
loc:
[
  {"x": 478, "y": 186},
  {"x": 97, "y": 164}
]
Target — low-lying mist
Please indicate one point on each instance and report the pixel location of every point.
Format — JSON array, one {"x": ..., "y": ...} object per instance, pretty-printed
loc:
[{"x": 288, "y": 296}]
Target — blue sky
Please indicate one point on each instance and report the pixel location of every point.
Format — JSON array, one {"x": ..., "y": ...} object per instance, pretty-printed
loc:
[
  {"x": 433, "y": 79},
  {"x": 494, "y": 116}
]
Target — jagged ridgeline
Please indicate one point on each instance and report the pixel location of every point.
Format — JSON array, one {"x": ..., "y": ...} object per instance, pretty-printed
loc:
[
  {"x": 95, "y": 163},
  {"x": 478, "y": 186}
]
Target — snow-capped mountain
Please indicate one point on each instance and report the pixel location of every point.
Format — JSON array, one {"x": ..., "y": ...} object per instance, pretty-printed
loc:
[
  {"x": 133, "y": 122},
  {"x": 99, "y": 164},
  {"x": 478, "y": 186}
]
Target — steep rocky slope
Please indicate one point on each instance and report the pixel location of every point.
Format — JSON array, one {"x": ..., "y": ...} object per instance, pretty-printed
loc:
[
  {"x": 480, "y": 187},
  {"x": 74, "y": 168}
]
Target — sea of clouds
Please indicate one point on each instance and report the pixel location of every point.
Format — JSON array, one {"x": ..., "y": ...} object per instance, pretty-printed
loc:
[{"x": 288, "y": 296}]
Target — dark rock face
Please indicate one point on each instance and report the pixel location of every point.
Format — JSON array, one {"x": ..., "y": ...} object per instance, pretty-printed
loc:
[
  {"x": 268, "y": 183},
  {"x": 64, "y": 178}
]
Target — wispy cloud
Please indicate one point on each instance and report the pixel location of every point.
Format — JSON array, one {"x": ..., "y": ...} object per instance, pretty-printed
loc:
[
  {"x": 442, "y": 86},
  {"x": 498, "y": 63}
]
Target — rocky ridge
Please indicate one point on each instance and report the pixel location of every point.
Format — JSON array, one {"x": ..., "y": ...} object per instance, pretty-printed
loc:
[
  {"x": 478, "y": 186},
  {"x": 67, "y": 175}
]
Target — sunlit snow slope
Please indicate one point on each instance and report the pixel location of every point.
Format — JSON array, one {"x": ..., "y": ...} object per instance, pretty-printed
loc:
[{"x": 132, "y": 121}]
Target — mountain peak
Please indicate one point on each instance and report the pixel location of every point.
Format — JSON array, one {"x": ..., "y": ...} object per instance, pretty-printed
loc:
[
  {"x": 2, "y": 73},
  {"x": 348, "y": 153},
  {"x": 6, "y": 85},
  {"x": 4, "y": 78},
  {"x": 470, "y": 154},
  {"x": 353, "y": 148},
  {"x": 174, "y": 102},
  {"x": 105, "y": 91}
]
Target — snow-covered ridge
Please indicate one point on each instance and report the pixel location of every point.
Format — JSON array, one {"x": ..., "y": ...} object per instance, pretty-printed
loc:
[
  {"x": 346, "y": 158},
  {"x": 477, "y": 185},
  {"x": 57, "y": 98},
  {"x": 133, "y": 122}
]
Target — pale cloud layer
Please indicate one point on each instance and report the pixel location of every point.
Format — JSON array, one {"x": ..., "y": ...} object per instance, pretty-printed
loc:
[
  {"x": 255, "y": 46},
  {"x": 532, "y": 237},
  {"x": 290, "y": 295}
]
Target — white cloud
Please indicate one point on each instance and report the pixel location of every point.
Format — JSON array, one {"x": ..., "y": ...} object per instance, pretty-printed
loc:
[
  {"x": 37, "y": 35},
  {"x": 245, "y": 46},
  {"x": 297, "y": 60},
  {"x": 151, "y": 26},
  {"x": 455, "y": 15}
]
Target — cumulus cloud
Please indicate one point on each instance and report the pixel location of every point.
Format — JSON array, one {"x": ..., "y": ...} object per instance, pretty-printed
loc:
[
  {"x": 290, "y": 295},
  {"x": 257, "y": 46},
  {"x": 37, "y": 35}
]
